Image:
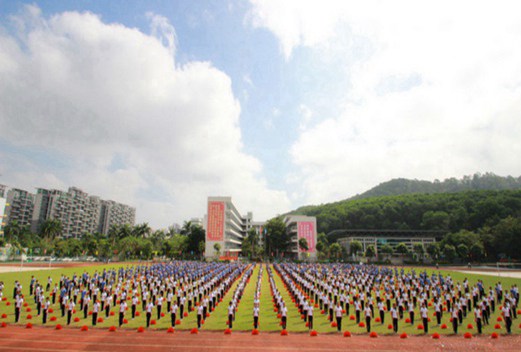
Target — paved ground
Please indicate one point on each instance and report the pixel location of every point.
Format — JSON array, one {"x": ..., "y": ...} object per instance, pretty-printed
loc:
[
  {"x": 18, "y": 338},
  {"x": 10, "y": 268},
  {"x": 514, "y": 274},
  {"x": 14, "y": 267}
]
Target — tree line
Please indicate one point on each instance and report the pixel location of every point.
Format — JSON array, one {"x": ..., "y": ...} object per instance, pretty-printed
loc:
[{"x": 125, "y": 242}]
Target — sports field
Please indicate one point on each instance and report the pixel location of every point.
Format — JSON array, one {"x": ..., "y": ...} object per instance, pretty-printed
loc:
[{"x": 216, "y": 321}]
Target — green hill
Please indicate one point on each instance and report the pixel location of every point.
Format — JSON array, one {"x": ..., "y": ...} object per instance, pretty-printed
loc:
[
  {"x": 487, "y": 206},
  {"x": 488, "y": 181},
  {"x": 493, "y": 218},
  {"x": 452, "y": 212}
]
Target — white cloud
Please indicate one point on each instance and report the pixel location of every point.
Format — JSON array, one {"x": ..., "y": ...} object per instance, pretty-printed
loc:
[
  {"x": 97, "y": 92},
  {"x": 306, "y": 116},
  {"x": 163, "y": 31},
  {"x": 295, "y": 22},
  {"x": 435, "y": 90}
]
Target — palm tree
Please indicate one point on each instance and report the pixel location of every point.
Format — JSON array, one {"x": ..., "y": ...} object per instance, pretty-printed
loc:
[
  {"x": 12, "y": 231},
  {"x": 251, "y": 243},
  {"x": 217, "y": 248},
  {"x": 303, "y": 244},
  {"x": 142, "y": 230},
  {"x": 170, "y": 232},
  {"x": 158, "y": 237},
  {"x": 51, "y": 228},
  {"x": 187, "y": 228},
  {"x": 113, "y": 233},
  {"x": 90, "y": 243},
  {"x": 124, "y": 231}
]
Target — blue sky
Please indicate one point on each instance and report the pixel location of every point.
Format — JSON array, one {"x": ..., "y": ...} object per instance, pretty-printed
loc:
[
  {"x": 216, "y": 32},
  {"x": 160, "y": 104}
]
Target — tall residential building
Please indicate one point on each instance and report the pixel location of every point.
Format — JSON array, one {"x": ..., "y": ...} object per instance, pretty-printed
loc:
[
  {"x": 226, "y": 226},
  {"x": 113, "y": 213},
  {"x": 3, "y": 216},
  {"x": 78, "y": 212},
  {"x": 3, "y": 190},
  {"x": 19, "y": 206}
]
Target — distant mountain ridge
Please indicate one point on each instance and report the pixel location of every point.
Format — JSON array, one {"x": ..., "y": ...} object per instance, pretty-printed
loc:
[
  {"x": 402, "y": 186},
  {"x": 476, "y": 182}
]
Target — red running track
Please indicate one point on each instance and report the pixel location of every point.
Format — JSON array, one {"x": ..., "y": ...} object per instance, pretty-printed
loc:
[{"x": 17, "y": 338}]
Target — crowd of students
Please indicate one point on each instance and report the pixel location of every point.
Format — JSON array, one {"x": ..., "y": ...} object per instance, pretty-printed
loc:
[
  {"x": 181, "y": 286},
  {"x": 334, "y": 290}
]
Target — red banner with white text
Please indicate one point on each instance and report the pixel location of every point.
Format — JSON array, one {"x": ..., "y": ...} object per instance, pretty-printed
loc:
[
  {"x": 306, "y": 229},
  {"x": 215, "y": 228}
]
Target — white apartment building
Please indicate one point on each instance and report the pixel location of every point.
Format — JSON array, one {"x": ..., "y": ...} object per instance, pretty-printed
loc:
[
  {"x": 78, "y": 211},
  {"x": 300, "y": 226},
  {"x": 226, "y": 226},
  {"x": 3, "y": 216},
  {"x": 114, "y": 213},
  {"x": 19, "y": 206}
]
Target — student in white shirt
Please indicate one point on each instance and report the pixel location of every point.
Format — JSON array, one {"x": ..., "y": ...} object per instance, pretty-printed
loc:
[
  {"x": 477, "y": 317},
  {"x": 70, "y": 308},
  {"x": 159, "y": 306},
  {"x": 438, "y": 308},
  {"x": 310, "y": 316},
  {"x": 231, "y": 312},
  {"x": 455, "y": 312},
  {"x": 200, "y": 310},
  {"x": 367, "y": 311},
  {"x": 357, "y": 311},
  {"x": 95, "y": 310},
  {"x": 410, "y": 307},
  {"x": 134, "y": 306},
  {"x": 150, "y": 307},
  {"x": 173, "y": 312},
  {"x": 338, "y": 315},
  {"x": 424, "y": 312},
  {"x": 394, "y": 316},
  {"x": 382, "y": 311},
  {"x": 507, "y": 316},
  {"x": 46, "y": 306},
  {"x": 255, "y": 317},
  {"x": 284, "y": 313},
  {"x": 122, "y": 308},
  {"x": 18, "y": 307}
]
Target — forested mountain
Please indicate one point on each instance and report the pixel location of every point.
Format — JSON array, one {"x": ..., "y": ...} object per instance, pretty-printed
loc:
[
  {"x": 494, "y": 216},
  {"x": 488, "y": 181},
  {"x": 469, "y": 210}
]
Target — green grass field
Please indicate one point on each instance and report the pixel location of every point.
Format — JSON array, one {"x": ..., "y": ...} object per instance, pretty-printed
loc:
[{"x": 268, "y": 320}]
